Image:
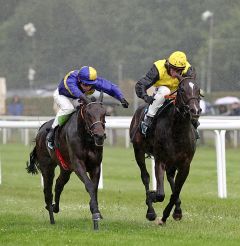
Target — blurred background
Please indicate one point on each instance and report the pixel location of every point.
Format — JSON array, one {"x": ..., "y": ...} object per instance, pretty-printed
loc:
[{"x": 40, "y": 41}]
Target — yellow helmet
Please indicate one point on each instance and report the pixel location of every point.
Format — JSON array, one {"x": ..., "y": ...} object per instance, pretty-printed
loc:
[{"x": 178, "y": 59}]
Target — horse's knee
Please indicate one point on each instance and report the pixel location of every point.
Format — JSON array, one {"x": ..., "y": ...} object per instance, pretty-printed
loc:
[{"x": 150, "y": 197}]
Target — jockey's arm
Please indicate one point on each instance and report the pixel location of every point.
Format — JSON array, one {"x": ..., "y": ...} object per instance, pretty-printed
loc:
[
  {"x": 146, "y": 82},
  {"x": 109, "y": 88}
]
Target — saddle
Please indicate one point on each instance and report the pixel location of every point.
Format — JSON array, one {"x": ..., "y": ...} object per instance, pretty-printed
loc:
[
  {"x": 161, "y": 110},
  {"x": 59, "y": 128}
]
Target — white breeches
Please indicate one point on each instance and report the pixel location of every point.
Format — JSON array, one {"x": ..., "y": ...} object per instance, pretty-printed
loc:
[
  {"x": 66, "y": 106},
  {"x": 159, "y": 97}
]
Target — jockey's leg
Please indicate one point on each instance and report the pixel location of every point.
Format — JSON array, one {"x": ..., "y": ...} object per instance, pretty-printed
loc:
[
  {"x": 66, "y": 108},
  {"x": 159, "y": 97}
]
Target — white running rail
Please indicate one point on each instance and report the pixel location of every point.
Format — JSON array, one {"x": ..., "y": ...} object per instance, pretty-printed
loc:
[{"x": 218, "y": 124}]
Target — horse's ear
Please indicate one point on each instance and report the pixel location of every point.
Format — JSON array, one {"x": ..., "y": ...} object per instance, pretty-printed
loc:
[{"x": 101, "y": 97}]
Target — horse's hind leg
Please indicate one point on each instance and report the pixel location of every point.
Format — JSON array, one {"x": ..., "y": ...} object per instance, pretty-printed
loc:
[
  {"x": 177, "y": 213},
  {"x": 48, "y": 176},
  {"x": 179, "y": 181},
  {"x": 150, "y": 196},
  {"x": 60, "y": 183}
]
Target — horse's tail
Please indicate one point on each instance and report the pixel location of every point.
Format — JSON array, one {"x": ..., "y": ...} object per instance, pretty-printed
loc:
[
  {"x": 136, "y": 121},
  {"x": 33, "y": 165}
]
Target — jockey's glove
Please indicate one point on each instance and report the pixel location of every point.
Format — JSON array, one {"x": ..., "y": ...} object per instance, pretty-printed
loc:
[
  {"x": 148, "y": 99},
  {"x": 84, "y": 98},
  {"x": 124, "y": 103}
]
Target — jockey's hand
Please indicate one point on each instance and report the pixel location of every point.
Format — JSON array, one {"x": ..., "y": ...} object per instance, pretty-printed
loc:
[
  {"x": 84, "y": 98},
  {"x": 148, "y": 99},
  {"x": 124, "y": 103}
]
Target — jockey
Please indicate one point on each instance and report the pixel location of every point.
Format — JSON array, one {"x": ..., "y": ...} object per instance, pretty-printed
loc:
[
  {"x": 162, "y": 75},
  {"x": 75, "y": 85}
]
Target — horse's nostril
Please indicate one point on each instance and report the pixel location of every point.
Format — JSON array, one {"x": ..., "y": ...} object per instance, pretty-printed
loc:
[{"x": 100, "y": 137}]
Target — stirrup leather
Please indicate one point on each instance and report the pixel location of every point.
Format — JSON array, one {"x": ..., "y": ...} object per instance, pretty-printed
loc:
[
  {"x": 146, "y": 124},
  {"x": 50, "y": 138}
]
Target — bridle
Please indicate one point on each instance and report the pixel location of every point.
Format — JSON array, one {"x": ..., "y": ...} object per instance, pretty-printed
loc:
[
  {"x": 89, "y": 127},
  {"x": 183, "y": 105}
]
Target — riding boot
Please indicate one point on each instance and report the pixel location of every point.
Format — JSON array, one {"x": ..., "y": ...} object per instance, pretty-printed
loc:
[
  {"x": 195, "y": 124},
  {"x": 146, "y": 124},
  {"x": 50, "y": 138}
]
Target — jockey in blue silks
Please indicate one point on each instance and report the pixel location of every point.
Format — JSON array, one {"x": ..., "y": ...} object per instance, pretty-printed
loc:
[{"x": 73, "y": 86}]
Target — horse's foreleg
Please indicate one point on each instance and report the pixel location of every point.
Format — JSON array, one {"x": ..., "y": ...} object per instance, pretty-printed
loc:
[
  {"x": 60, "y": 183},
  {"x": 140, "y": 159},
  {"x": 177, "y": 213},
  {"x": 94, "y": 176},
  {"x": 48, "y": 176},
  {"x": 91, "y": 189},
  {"x": 179, "y": 181}
]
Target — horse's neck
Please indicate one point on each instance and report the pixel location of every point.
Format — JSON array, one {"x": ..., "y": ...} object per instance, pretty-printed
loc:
[
  {"x": 181, "y": 124},
  {"x": 80, "y": 123},
  {"x": 174, "y": 120},
  {"x": 74, "y": 122}
]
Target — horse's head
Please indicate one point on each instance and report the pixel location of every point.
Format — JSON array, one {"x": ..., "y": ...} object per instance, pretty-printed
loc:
[
  {"x": 93, "y": 112},
  {"x": 188, "y": 98}
]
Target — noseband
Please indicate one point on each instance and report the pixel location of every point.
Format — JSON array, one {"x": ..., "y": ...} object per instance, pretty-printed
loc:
[{"x": 89, "y": 128}]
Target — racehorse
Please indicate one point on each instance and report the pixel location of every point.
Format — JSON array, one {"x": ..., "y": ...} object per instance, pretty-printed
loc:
[
  {"x": 78, "y": 148},
  {"x": 172, "y": 143}
]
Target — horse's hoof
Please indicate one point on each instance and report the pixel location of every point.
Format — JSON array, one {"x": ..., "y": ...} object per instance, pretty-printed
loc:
[
  {"x": 52, "y": 222},
  {"x": 96, "y": 217},
  {"x": 151, "y": 216},
  {"x": 177, "y": 216},
  {"x": 55, "y": 208},
  {"x": 159, "y": 221},
  {"x": 95, "y": 225}
]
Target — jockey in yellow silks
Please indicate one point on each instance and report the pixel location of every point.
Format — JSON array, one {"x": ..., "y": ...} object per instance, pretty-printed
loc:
[{"x": 162, "y": 76}]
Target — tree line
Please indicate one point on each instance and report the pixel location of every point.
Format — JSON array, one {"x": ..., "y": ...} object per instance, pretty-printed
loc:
[{"x": 121, "y": 39}]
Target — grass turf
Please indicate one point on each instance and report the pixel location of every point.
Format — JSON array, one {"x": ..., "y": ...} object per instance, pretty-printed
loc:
[{"x": 207, "y": 220}]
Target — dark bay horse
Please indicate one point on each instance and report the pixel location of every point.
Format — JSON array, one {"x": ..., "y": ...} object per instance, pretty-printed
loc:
[
  {"x": 172, "y": 143},
  {"x": 78, "y": 148}
]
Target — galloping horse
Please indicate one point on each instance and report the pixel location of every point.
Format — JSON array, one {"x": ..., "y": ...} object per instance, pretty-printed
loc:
[
  {"x": 78, "y": 148},
  {"x": 172, "y": 143}
]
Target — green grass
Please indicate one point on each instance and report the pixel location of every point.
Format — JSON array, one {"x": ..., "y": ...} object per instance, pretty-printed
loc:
[{"x": 207, "y": 219}]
